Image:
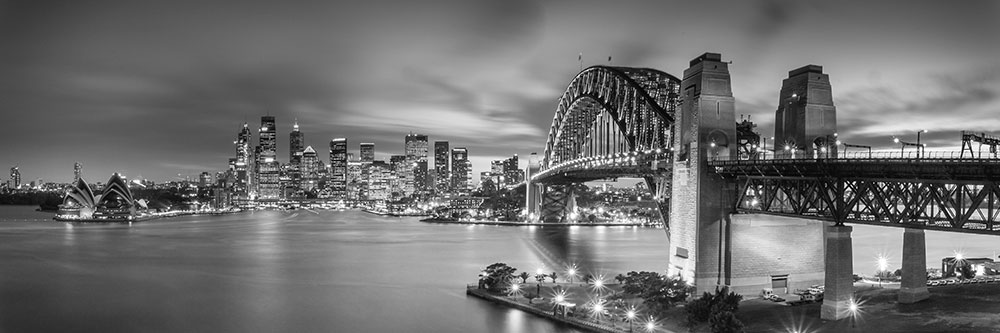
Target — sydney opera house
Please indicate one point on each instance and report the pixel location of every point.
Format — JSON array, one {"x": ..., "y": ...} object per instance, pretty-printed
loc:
[{"x": 114, "y": 203}]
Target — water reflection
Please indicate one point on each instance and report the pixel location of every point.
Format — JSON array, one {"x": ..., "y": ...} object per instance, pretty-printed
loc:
[{"x": 286, "y": 271}]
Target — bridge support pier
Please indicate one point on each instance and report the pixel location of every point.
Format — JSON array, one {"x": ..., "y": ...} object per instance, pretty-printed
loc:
[
  {"x": 914, "y": 284},
  {"x": 839, "y": 292}
]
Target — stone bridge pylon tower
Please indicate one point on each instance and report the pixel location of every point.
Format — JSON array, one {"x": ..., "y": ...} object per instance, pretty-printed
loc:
[{"x": 705, "y": 128}]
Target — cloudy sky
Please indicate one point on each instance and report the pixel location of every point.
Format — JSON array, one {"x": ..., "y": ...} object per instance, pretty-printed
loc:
[{"x": 160, "y": 88}]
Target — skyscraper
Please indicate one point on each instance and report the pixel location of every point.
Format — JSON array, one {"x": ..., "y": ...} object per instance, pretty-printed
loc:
[
  {"x": 511, "y": 173},
  {"x": 461, "y": 171},
  {"x": 441, "y": 167},
  {"x": 296, "y": 145},
  {"x": 416, "y": 156},
  {"x": 268, "y": 185},
  {"x": 399, "y": 167},
  {"x": 367, "y": 152},
  {"x": 296, "y": 142},
  {"x": 77, "y": 172},
  {"x": 15, "y": 177},
  {"x": 244, "y": 165},
  {"x": 338, "y": 168},
  {"x": 310, "y": 165}
]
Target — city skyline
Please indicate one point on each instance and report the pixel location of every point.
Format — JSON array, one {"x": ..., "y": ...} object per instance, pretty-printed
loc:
[{"x": 175, "y": 83}]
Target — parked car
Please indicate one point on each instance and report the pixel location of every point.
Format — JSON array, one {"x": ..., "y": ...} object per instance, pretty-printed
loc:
[{"x": 774, "y": 298}]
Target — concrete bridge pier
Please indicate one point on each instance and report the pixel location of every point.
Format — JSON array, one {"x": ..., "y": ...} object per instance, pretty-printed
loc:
[
  {"x": 839, "y": 292},
  {"x": 914, "y": 284}
]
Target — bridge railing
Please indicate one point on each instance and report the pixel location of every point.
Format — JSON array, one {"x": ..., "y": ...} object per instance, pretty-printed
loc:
[
  {"x": 907, "y": 156},
  {"x": 631, "y": 159}
]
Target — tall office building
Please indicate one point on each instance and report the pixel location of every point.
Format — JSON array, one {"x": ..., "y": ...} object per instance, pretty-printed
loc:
[
  {"x": 511, "y": 173},
  {"x": 243, "y": 166},
  {"x": 296, "y": 148},
  {"x": 442, "y": 168},
  {"x": 268, "y": 184},
  {"x": 461, "y": 171},
  {"x": 416, "y": 156},
  {"x": 398, "y": 166},
  {"x": 15, "y": 177},
  {"x": 367, "y": 151},
  {"x": 296, "y": 145},
  {"x": 338, "y": 168},
  {"x": 205, "y": 179},
  {"x": 379, "y": 182},
  {"x": 310, "y": 166},
  {"x": 356, "y": 186},
  {"x": 77, "y": 172},
  {"x": 367, "y": 155}
]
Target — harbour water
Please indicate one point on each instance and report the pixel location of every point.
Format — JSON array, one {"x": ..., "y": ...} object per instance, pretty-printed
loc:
[
  {"x": 318, "y": 271},
  {"x": 286, "y": 271}
]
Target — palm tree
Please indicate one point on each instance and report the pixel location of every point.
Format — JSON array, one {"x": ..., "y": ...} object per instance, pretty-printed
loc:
[
  {"x": 524, "y": 277},
  {"x": 553, "y": 276}
]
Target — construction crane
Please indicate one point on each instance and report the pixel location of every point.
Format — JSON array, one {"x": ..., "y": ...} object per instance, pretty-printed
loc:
[{"x": 981, "y": 138}]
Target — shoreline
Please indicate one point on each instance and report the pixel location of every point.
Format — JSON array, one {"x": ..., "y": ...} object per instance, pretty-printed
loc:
[
  {"x": 536, "y": 224},
  {"x": 143, "y": 218},
  {"x": 576, "y": 323}
]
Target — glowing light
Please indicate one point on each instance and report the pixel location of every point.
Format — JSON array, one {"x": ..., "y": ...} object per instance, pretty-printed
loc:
[
  {"x": 883, "y": 263},
  {"x": 630, "y": 314},
  {"x": 539, "y": 271},
  {"x": 560, "y": 297},
  {"x": 959, "y": 256},
  {"x": 650, "y": 324},
  {"x": 896, "y": 140},
  {"x": 787, "y": 147}
]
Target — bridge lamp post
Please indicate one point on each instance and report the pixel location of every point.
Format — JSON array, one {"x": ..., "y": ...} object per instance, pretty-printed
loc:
[
  {"x": 650, "y": 324},
  {"x": 883, "y": 266},
  {"x": 853, "y": 308},
  {"x": 920, "y": 147},
  {"x": 630, "y": 316}
]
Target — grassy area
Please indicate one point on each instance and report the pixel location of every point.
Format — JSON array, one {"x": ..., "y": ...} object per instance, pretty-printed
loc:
[{"x": 960, "y": 308}]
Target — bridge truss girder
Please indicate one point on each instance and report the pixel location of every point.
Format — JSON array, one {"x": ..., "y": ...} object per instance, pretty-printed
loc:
[
  {"x": 612, "y": 110},
  {"x": 970, "y": 207}
]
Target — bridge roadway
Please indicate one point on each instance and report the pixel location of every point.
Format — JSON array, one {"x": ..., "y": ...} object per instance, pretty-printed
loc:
[
  {"x": 935, "y": 192},
  {"x": 633, "y": 164}
]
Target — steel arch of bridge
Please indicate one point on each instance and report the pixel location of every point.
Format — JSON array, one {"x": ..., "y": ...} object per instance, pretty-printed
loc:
[{"x": 611, "y": 110}]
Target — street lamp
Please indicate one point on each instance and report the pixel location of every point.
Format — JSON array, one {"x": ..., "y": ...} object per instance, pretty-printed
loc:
[
  {"x": 630, "y": 316},
  {"x": 853, "y": 307},
  {"x": 920, "y": 147},
  {"x": 883, "y": 266},
  {"x": 650, "y": 324}
]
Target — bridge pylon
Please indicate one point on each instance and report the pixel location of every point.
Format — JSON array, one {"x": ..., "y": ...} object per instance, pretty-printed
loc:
[
  {"x": 705, "y": 128},
  {"x": 710, "y": 244}
]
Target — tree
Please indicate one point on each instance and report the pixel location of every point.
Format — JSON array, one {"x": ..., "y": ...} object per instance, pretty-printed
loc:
[
  {"x": 524, "y": 277},
  {"x": 497, "y": 276},
  {"x": 712, "y": 308},
  {"x": 725, "y": 322},
  {"x": 540, "y": 278},
  {"x": 620, "y": 278},
  {"x": 663, "y": 293},
  {"x": 553, "y": 276}
]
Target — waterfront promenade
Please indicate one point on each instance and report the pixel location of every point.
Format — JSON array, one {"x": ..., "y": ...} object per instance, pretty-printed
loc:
[
  {"x": 536, "y": 224},
  {"x": 543, "y": 308}
]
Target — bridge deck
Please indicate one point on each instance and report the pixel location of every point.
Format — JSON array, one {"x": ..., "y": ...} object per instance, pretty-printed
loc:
[
  {"x": 959, "y": 170},
  {"x": 958, "y": 195}
]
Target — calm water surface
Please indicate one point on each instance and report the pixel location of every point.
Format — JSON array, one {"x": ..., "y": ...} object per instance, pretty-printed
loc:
[
  {"x": 303, "y": 271},
  {"x": 291, "y": 271}
]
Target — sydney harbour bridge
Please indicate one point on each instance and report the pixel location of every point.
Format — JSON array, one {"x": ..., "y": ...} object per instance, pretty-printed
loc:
[{"x": 740, "y": 215}]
